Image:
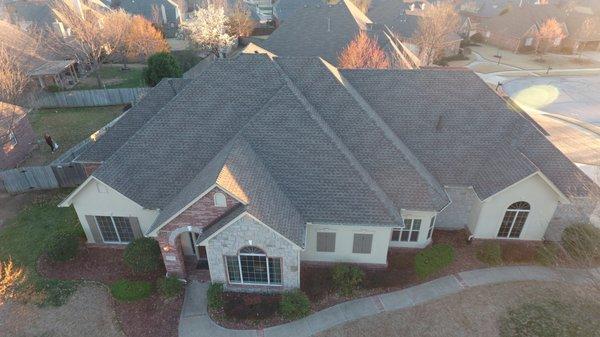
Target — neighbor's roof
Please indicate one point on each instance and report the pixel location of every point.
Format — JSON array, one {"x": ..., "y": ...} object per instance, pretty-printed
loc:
[
  {"x": 298, "y": 141},
  {"x": 392, "y": 13},
  {"x": 51, "y": 68}
]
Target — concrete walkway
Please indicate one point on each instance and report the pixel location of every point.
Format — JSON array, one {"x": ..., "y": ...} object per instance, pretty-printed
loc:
[{"x": 195, "y": 321}]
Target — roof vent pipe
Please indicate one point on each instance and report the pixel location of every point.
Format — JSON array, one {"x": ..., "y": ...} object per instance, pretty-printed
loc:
[{"x": 329, "y": 24}]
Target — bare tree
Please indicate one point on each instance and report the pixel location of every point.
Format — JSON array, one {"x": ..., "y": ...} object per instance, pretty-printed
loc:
[
  {"x": 92, "y": 34},
  {"x": 363, "y": 52},
  {"x": 207, "y": 29},
  {"x": 13, "y": 82},
  {"x": 550, "y": 32},
  {"x": 434, "y": 28},
  {"x": 239, "y": 21},
  {"x": 10, "y": 276}
]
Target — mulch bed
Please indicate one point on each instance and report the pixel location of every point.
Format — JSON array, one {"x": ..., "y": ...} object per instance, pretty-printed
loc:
[
  {"x": 153, "y": 316},
  {"x": 248, "y": 311}
]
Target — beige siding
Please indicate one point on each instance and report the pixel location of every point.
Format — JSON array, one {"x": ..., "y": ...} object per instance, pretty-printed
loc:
[
  {"x": 534, "y": 190},
  {"x": 97, "y": 198},
  {"x": 344, "y": 241}
]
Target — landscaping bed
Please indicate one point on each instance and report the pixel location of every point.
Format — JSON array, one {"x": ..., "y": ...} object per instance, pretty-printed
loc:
[
  {"x": 154, "y": 316},
  {"x": 450, "y": 253}
]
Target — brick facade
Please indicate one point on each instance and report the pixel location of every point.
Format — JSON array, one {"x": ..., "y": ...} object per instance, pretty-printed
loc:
[
  {"x": 199, "y": 215},
  {"x": 10, "y": 156}
]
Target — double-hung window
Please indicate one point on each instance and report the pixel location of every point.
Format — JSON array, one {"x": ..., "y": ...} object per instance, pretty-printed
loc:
[
  {"x": 115, "y": 229},
  {"x": 430, "y": 230},
  {"x": 253, "y": 266},
  {"x": 410, "y": 232}
]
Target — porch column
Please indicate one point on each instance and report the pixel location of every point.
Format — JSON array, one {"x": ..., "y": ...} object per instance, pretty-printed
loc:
[{"x": 172, "y": 255}]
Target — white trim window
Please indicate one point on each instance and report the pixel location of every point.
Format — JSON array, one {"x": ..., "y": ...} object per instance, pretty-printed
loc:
[
  {"x": 253, "y": 266},
  {"x": 514, "y": 220},
  {"x": 430, "y": 230},
  {"x": 410, "y": 232},
  {"x": 220, "y": 200},
  {"x": 115, "y": 229}
]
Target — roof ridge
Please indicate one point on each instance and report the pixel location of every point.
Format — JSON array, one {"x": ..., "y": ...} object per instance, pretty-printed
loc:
[
  {"x": 364, "y": 174},
  {"x": 387, "y": 131}
]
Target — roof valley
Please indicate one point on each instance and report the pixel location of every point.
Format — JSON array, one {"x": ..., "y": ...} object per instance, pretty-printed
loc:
[{"x": 365, "y": 176}]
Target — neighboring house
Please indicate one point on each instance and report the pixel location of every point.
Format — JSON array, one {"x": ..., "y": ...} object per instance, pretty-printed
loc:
[
  {"x": 402, "y": 18},
  {"x": 16, "y": 135},
  {"x": 325, "y": 30},
  {"x": 45, "y": 68},
  {"x": 164, "y": 13},
  {"x": 517, "y": 29},
  {"x": 289, "y": 161}
]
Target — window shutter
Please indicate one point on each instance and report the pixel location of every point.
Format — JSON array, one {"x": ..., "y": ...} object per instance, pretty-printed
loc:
[
  {"x": 135, "y": 227},
  {"x": 362, "y": 243},
  {"x": 325, "y": 242},
  {"x": 91, "y": 220}
]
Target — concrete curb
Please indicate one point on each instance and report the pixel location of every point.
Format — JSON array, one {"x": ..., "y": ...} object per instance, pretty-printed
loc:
[{"x": 195, "y": 320}]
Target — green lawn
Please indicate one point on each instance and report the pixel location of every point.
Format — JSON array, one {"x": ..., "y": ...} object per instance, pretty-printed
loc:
[
  {"x": 68, "y": 127},
  {"x": 114, "y": 77},
  {"x": 24, "y": 239}
]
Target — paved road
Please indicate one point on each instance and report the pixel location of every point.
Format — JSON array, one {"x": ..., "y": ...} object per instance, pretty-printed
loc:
[
  {"x": 195, "y": 322},
  {"x": 575, "y": 97}
]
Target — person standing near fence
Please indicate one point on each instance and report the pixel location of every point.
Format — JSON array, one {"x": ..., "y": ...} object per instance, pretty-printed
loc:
[{"x": 50, "y": 142}]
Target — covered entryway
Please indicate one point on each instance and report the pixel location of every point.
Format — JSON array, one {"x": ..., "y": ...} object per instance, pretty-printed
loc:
[{"x": 194, "y": 257}]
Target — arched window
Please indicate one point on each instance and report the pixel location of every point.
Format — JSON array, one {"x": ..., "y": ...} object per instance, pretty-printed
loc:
[
  {"x": 220, "y": 200},
  {"x": 253, "y": 266},
  {"x": 514, "y": 220}
]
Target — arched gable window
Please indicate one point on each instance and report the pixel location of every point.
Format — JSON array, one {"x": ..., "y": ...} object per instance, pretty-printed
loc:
[
  {"x": 253, "y": 266},
  {"x": 220, "y": 200},
  {"x": 514, "y": 220}
]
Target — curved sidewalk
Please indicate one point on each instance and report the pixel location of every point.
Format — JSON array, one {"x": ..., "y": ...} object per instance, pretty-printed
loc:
[{"x": 194, "y": 320}]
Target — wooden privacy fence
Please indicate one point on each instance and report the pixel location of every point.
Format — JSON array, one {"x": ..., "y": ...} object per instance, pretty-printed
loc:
[
  {"x": 90, "y": 98},
  {"x": 42, "y": 177}
]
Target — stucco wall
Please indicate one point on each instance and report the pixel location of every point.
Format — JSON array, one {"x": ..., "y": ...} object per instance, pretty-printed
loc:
[
  {"x": 344, "y": 240},
  {"x": 579, "y": 211},
  {"x": 97, "y": 198},
  {"x": 248, "y": 232},
  {"x": 458, "y": 213},
  {"x": 535, "y": 191}
]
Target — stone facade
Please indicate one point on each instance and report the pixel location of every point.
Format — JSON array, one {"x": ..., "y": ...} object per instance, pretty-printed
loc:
[
  {"x": 201, "y": 214},
  {"x": 457, "y": 215},
  {"x": 248, "y": 232},
  {"x": 581, "y": 210}
]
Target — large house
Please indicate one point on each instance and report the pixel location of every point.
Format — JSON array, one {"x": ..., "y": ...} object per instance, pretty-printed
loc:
[
  {"x": 167, "y": 14},
  {"x": 517, "y": 29},
  {"x": 260, "y": 165}
]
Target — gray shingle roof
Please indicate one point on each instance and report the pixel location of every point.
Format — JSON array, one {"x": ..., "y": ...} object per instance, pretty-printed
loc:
[
  {"x": 301, "y": 142},
  {"x": 392, "y": 13},
  {"x": 133, "y": 120}
]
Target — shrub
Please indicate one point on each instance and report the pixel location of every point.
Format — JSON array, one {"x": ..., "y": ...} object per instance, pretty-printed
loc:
[
  {"x": 490, "y": 253},
  {"x": 161, "y": 65},
  {"x": 433, "y": 259},
  {"x": 215, "y": 296},
  {"x": 62, "y": 246},
  {"x": 169, "y": 286},
  {"x": 346, "y": 278},
  {"x": 294, "y": 305},
  {"x": 53, "y": 88},
  {"x": 546, "y": 254},
  {"x": 582, "y": 241},
  {"x": 125, "y": 290},
  {"x": 142, "y": 255}
]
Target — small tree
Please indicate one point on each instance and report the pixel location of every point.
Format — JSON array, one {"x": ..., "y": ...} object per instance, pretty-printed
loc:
[
  {"x": 161, "y": 65},
  {"x": 549, "y": 32},
  {"x": 144, "y": 39},
  {"x": 207, "y": 29},
  {"x": 240, "y": 22},
  {"x": 10, "y": 276},
  {"x": 434, "y": 28},
  {"x": 13, "y": 82},
  {"x": 363, "y": 52}
]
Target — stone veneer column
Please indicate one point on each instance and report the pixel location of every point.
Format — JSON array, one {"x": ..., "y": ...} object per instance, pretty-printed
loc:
[{"x": 172, "y": 255}]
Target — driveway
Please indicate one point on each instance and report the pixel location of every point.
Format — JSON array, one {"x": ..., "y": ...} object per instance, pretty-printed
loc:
[{"x": 574, "y": 97}]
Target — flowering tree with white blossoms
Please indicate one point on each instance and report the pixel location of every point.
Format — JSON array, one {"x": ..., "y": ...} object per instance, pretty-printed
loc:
[{"x": 207, "y": 29}]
